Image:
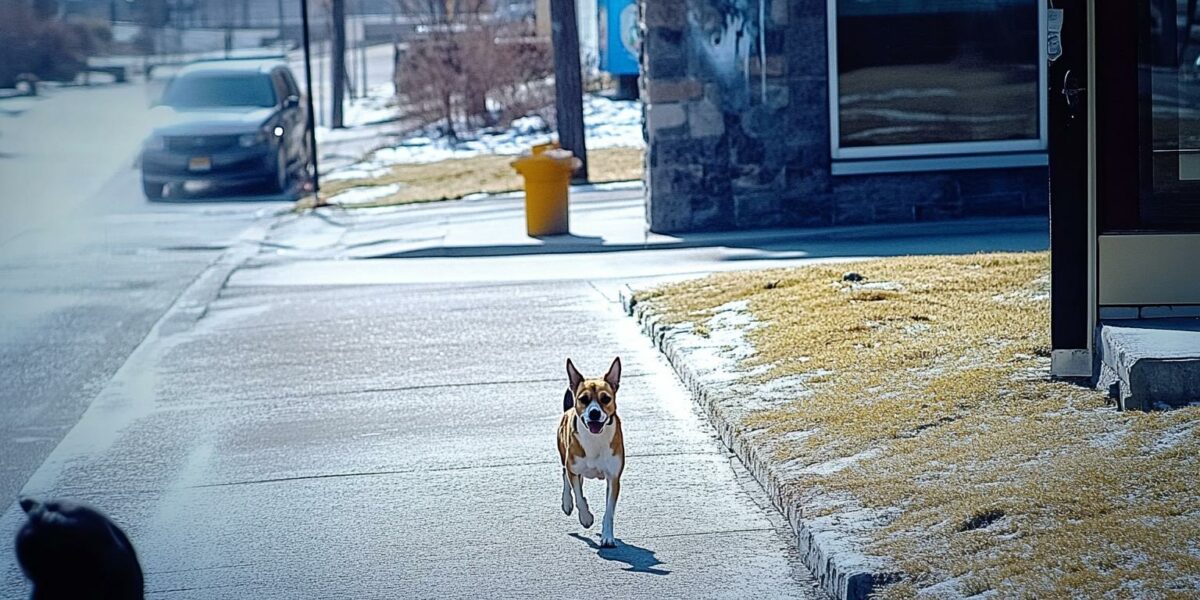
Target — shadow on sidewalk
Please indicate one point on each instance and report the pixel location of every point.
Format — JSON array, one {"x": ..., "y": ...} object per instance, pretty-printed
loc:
[
  {"x": 953, "y": 237},
  {"x": 640, "y": 560}
]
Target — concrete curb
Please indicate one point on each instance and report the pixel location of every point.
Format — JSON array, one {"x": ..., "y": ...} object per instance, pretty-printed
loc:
[{"x": 837, "y": 568}]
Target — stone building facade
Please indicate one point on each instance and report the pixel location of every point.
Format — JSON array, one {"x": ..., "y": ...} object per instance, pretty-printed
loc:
[{"x": 739, "y": 113}]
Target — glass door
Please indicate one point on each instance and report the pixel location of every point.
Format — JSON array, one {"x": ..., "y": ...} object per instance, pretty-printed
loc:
[
  {"x": 1146, "y": 62},
  {"x": 1152, "y": 156},
  {"x": 1169, "y": 48}
]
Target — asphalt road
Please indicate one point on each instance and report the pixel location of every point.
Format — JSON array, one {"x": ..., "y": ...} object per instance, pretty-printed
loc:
[{"x": 86, "y": 264}]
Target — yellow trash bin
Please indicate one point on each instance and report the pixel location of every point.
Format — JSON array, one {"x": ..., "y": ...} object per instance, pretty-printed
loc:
[{"x": 547, "y": 174}]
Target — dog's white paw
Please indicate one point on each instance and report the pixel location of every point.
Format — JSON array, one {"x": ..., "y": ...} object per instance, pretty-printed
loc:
[
  {"x": 585, "y": 517},
  {"x": 567, "y": 505},
  {"x": 607, "y": 541}
]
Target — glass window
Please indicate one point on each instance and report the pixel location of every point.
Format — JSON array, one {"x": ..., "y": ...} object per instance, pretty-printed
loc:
[
  {"x": 959, "y": 74},
  {"x": 288, "y": 81},
  {"x": 205, "y": 90},
  {"x": 1169, "y": 101}
]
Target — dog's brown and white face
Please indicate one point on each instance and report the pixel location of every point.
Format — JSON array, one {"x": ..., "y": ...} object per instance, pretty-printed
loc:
[{"x": 595, "y": 399}]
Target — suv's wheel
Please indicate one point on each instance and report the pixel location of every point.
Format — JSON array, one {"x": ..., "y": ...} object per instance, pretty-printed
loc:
[{"x": 153, "y": 191}]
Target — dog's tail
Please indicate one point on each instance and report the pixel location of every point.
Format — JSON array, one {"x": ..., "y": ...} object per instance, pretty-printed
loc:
[{"x": 568, "y": 400}]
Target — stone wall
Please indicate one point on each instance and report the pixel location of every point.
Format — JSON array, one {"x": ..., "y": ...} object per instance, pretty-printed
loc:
[{"x": 736, "y": 141}]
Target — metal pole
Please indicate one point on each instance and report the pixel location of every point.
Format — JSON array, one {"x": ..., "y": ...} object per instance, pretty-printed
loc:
[
  {"x": 568, "y": 82},
  {"x": 352, "y": 68},
  {"x": 312, "y": 129},
  {"x": 362, "y": 44},
  {"x": 338, "y": 68},
  {"x": 322, "y": 71},
  {"x": 279, "y": 8}
]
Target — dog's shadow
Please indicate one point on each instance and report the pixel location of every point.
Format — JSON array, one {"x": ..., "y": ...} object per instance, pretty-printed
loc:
[{"x": 640, "y": 560}]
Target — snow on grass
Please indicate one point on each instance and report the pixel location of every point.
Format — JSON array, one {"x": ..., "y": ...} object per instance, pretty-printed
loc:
[
  {"x": 378, "y": 106},
  {"x": 995, "y": 479},
  {"x": 607, "y": 124},
  {"x": 432, "y": 167},
  {"x": 364, "y": 195}
]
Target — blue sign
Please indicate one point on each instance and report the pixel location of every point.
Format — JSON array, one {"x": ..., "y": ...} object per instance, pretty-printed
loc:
[{"x": 619, "y": 36}]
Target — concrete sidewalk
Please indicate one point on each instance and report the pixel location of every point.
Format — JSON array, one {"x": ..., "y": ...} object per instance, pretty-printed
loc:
[{"x": 327, "y": 441}]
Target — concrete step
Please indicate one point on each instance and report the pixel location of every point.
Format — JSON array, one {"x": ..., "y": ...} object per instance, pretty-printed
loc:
[{"x": 1151, "y": 363}]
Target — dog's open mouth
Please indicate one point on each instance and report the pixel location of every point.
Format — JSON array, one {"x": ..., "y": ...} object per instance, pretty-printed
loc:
[{"x": 595, "y": 426}]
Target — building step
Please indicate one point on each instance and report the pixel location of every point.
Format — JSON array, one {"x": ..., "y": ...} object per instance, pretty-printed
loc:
[{"x": 1150, "y": 364}]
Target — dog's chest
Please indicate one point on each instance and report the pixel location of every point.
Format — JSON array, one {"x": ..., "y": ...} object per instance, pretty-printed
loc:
[{"x": 598, "y": 461}]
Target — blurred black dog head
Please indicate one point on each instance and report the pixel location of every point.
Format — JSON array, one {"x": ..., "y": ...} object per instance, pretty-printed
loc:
[{"x": 70, "y": 550}]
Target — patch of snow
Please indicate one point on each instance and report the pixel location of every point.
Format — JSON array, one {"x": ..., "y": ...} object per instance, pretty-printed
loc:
[
  {"x": 362, "y": 170},
  {"x": 607, "y": 124},
  {"x": 1022, "y": 296},
  {"x": 830, "y": 467},
  {"x": 364, "y": 194},
  {"x": 728, "y": 327},
  {"x": 1173, "y": 436},
  {"x": 887, "y": 286},
  {"x": 378, "y": 106},
  {"x": 1109, "y": 439}
]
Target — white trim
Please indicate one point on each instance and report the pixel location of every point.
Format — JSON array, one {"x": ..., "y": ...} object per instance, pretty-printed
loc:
[
  {"x": 940, "y": 163},
  {"x": 1093, "y": 242},
  {"x": 897, "y": 150},
  {"x": 831, "y": 45},
  {"x": 906, "y": 150},
  {"x": 1071, "y": 363}
]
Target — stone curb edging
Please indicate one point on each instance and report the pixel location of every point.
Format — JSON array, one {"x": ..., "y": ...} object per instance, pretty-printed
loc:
[{"x": 827, "y": 562}]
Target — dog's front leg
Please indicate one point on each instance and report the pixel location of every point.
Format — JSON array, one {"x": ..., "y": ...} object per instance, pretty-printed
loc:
[
  {"x": 567, "y": 504},
  {"x": 606, "y": 531},
  {"x": 585, "y": 516}
]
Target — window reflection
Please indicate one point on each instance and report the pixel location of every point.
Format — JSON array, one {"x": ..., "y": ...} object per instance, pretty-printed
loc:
[
  {"x": 1170, "y": 107},
  {"x": 937, "y": 71}
]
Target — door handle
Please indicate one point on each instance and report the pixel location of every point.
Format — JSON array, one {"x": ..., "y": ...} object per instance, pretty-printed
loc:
[{"x": 1073, "y": 94}]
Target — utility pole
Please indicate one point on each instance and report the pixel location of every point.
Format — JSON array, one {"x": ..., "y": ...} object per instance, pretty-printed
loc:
[
  {"x": 279, "y": 8},
  {"x": 308, "y": 84},
  {"x": 568, "y": 82},
  {"x": 338, "y": 68},
  {"x": 363, "y": 48}
]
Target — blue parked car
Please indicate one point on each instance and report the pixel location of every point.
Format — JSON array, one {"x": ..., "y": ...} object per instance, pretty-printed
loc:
[{"x": 228, "y": 124}]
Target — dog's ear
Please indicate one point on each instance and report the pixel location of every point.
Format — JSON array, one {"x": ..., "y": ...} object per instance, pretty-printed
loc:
[
  {"x": 568, "y": 400},
  {"x": 613, "y": 376},
  {"x": 28, "y": 504},
  {"x": 573, "y": 376}
]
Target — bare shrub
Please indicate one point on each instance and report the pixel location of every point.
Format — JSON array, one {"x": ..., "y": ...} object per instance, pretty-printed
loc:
[
  {"x": 468, "y": 70},
  {"x": 522, "y": 81},
  {"x": 45, "y": 47}
]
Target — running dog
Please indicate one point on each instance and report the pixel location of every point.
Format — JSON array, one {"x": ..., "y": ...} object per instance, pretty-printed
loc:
[{"x": 590, "y": 444}]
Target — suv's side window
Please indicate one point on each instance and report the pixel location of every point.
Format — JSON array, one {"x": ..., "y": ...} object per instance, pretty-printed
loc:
[
  {"x": 281, "y": 90},
  {"x": 290, "y": 83}
]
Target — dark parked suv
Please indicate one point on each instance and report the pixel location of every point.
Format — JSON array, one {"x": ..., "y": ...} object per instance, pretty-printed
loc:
[{"x": 225, "y": 124}]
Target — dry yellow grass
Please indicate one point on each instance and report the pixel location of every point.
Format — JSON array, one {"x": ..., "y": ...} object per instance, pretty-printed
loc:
[
  {"x": 991, "y": 476},
  {"x": 455, "y": 178}
]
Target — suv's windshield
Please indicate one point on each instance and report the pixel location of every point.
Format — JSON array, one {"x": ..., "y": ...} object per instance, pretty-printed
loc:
[{"x": 201, "y": 90}]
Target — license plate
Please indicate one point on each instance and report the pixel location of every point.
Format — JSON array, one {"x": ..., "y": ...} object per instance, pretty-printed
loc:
[{"x": 199, "y": 163}]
